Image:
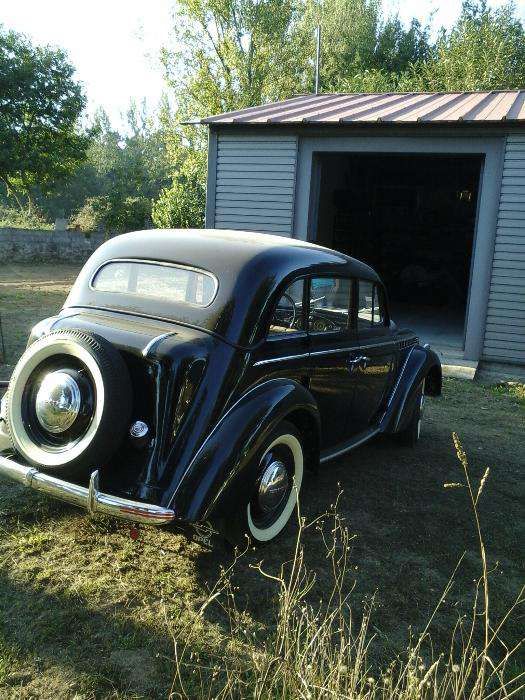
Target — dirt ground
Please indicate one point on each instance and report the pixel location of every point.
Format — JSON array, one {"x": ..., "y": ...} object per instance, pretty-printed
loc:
[
  {"x": 28, "y": 294},
  {"x": 86, "y": 611}
]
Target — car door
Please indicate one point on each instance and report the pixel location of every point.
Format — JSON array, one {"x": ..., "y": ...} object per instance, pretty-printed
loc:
[
  {"x": 378, "y": 349},
  {"x": 285, "y": 350},
  {"x": 333, "y": 344}
]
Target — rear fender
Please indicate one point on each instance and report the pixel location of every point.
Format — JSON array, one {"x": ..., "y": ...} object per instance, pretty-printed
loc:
[
  {"x": 221, "y": 474},
  {"x": 420, "y": 364}
]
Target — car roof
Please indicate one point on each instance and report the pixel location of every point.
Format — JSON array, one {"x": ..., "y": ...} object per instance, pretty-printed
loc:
[{"x": 249, "y": 266}]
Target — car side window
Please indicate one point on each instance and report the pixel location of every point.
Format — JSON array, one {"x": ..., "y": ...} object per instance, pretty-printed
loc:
[
  {"x": 288, "y": 314},
  {"x": 370, "y": 308},
  {"x": 329, "y": 304}
]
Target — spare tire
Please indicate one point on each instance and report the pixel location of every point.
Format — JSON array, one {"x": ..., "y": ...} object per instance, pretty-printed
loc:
[{"x": 69, "y": 402}]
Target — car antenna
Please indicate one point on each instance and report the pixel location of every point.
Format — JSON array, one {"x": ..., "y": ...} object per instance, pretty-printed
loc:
[{"x": 317, "y": 58}]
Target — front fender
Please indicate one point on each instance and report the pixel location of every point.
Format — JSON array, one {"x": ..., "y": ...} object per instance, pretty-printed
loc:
[
  {"x": 419, "y": 364},
  {"x": 223, "y": 470}
]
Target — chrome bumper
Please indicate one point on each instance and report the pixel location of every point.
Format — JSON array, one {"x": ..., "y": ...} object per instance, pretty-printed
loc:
[{"x": 90, "y": 498}]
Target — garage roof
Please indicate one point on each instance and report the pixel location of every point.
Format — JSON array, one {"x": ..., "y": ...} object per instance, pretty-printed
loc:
[{"x": 391, "y": 108}]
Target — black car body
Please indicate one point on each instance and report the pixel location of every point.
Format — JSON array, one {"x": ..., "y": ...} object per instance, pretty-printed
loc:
[{"x": 211, "y": 340}]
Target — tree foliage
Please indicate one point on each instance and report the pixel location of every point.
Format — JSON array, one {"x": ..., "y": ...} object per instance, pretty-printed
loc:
[
  {"x": 181, "y": 205},
  {"x": 114, "y": 214},
  {"x": 485, "y": 50},
  {"x": 358, "y": 40},
  {"x": 233, "y": 53},
  {"x": 40, "y": 107},
  {"x": 121, "y": 177}
]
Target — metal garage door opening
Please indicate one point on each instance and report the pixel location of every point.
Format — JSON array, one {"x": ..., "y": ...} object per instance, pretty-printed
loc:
[{"x": 412, "y": 218}]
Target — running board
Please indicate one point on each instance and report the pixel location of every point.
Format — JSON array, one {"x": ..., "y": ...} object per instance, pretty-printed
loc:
[{"x": 360, "y": 439}]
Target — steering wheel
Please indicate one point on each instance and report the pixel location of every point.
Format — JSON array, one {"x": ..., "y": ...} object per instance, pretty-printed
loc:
[{"x": 289, "y": 322}]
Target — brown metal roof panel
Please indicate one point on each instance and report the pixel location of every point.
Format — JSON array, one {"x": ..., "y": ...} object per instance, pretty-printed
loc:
[
  {"x": 228, "y": 117},
  {"x": 443, "y": 105},
  {"x": 430, "y": 103},
  {"x": 388, "y": 101},
  {"x": 403, "y": 110},
  {"x": 296, "y": 112},
  {"x": 406, "y": 108},
  {"x": 471, "y": 107},
  {"x": 332, "y": 105},
  {"x": 495, "y": 108},
  {"x": 431, "y": 109},
  {"x": 396, "y": 108},
  {"x": 349, "y": 106},
  {"x": 517, "y": 111}
]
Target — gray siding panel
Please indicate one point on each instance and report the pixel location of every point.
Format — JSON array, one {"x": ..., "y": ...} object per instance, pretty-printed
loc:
[
  {"x": 255, "y": 184},
  {"x": 505, "y": 329}
]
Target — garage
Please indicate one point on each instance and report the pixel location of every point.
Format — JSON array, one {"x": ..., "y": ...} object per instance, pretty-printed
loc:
[
  {"x": 413, "y": 219},
  {"x": 428, "y": 188}
]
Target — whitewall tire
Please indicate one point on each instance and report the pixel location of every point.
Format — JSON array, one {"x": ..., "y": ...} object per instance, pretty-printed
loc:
[
  {"x": 272, "y": 499},
  {"x": 265, "y": 534},
  {"x": 99, "y": 375}
]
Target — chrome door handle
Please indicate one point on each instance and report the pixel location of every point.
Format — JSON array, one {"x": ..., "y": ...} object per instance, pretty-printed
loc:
[
  {"x": 364, "y": 361},
  {"x": 355, "y": 362}
]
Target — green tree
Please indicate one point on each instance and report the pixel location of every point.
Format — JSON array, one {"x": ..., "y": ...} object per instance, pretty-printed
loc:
[
  {"x": 40, "y": 108},
  {"x": 233, "y": 53},
  {"x": 181, "y": 205},
  {"x": 485, "y": 50},
  {"x": 121, "y": 174},
  {"x": 362, "y": 50}
]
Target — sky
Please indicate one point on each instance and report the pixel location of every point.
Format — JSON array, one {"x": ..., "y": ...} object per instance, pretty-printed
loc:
[{"x": 114, "y": 44}]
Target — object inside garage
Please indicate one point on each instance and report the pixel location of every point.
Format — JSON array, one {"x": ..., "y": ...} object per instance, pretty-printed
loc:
[{"x": 413, "y": 219}]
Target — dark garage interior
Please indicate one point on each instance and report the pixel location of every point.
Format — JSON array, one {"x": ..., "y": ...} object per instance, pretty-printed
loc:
[{"x": 412, "y": 218}]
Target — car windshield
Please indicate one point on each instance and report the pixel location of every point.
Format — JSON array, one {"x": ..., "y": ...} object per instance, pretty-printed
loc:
[{"x": 156, "y": 280}]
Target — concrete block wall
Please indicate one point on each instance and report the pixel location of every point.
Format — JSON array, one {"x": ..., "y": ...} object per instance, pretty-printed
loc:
[{"x": 24, "y": 245}]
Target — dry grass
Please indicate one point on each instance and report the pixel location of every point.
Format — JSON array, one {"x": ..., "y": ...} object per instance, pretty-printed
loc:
[{"x": 320, "y": 650}]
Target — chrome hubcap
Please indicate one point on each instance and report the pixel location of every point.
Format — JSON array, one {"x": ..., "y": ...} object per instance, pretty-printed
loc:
[
  {"x": 273, "y": 487},
  {"x": 57, "y": 403}
]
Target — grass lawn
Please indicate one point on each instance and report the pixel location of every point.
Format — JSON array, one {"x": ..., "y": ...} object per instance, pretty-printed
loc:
[{"x": 88, "y": 612}]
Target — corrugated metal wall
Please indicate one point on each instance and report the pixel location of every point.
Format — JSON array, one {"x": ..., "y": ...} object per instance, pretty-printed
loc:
[
  {"x": 255, "y": 182},
  {"x": 505, "y": 330}
]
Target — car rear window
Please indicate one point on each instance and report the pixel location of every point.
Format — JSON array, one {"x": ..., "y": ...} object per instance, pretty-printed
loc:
[{"x": 157, "y": 281}]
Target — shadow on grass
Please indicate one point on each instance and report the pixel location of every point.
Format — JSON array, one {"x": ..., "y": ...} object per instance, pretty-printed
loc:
[{"x": 95, "y": 650}]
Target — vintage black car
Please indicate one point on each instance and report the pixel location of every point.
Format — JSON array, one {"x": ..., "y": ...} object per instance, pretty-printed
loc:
[{"x": 192, "y": 376}]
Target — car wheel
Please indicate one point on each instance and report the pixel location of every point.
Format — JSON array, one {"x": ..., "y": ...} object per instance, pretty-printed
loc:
[
  {"x": 275, "y": 494},
  {"x": 411, "y": 434},
  {"x": 69, "y": 403}
]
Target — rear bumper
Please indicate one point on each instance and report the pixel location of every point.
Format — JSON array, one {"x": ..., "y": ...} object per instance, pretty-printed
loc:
[{"x": 89, "y": 498}]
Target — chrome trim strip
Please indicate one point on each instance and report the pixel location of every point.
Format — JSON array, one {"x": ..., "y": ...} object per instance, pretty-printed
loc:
[
  {"x": 160, "y": 263},
  {"x": 154, "y": 341},
  {"x": 280, "y": 359},
  {"x": 91, "y": 499},
  {"x": 336, "y": 351},
  {"x": 348, "y": 448},
  {"x": 316, "y": 353}
]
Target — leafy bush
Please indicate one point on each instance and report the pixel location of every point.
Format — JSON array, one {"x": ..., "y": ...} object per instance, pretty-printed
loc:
[
  {"x": 13, "y": 217},
  {"x": 182, "y": 204},
  {"x": 113, "y": 214}
]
